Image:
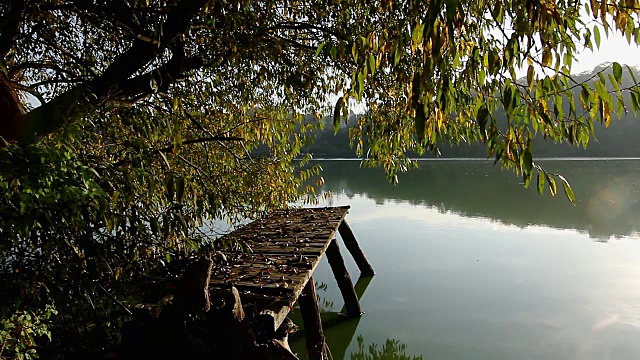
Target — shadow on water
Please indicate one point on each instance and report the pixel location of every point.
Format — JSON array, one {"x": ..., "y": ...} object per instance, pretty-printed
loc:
[
  {"x": 340, "y": 332},
  {"x": 608, "y": 193}
]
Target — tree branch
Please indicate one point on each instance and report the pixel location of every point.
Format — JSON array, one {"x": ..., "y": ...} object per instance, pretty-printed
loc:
[
  {"x": 297, "y": 25},
  {"x": 126, "y": 309},
  {"x": 167, "y": 149},
  {"x": 74, "y": 103},
  {"x": 27, "y": 89},
  {"x": 157, "y": 79},
  {"x": 294, "y": 43},
  {"x": 15, "y": 70},
  {"x": 11, "y": 22},
  {"x": 201, "y": 140},
  {"x": 81, "y": 62},
  {"x": 143, "y": 52}
]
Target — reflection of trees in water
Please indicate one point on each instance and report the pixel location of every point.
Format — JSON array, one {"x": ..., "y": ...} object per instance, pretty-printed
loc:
[
  {"x": 324, "y": 304},
  {"x": 340, "y": 331},
  {"x": 608, "y": 193},
  {"x": 391, "y": 350}
]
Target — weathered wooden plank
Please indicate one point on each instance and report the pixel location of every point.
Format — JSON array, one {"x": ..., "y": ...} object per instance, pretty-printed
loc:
[{"x": 281, "y": 250}]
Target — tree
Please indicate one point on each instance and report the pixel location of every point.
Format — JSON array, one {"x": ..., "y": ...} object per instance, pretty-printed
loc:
[{"x": 149, "y": 111}]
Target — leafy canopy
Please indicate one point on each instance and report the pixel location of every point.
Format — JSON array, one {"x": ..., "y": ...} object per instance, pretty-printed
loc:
[
  {"x": 147, "y": 112},
  {"x": 426, "y": 72}
]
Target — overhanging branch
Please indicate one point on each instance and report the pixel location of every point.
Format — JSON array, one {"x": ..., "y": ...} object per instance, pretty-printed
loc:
[
  {"x": 11, "y": 26},
  {"x": 143, "y": 52},
  {"x": 167, "y": 149},
  {"x": 157, "y": 79},
  {"x": 201, "y": 140},
  {"x": 74, "y": 103}
]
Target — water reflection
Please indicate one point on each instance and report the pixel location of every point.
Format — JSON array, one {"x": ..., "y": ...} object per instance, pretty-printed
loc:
[
  {"x": 608, "y": 193},
  {"x": 470, "y": 265},
  {"x": 391, "y": 350},
  {"x": 339, "y": 330}
]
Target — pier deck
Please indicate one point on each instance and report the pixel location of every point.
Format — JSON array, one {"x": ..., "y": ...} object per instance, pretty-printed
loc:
[{"x": 285, "y": 248}]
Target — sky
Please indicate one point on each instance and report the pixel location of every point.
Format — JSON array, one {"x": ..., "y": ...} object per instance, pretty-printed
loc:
[{"x": 614, "y": 48}]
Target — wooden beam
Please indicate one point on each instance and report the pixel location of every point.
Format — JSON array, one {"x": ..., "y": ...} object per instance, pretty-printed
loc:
[
  {"x": 192, "y": 295},
  {"x": 352, "y": 245},
  {"x": 336, "y": 261},
  {"x": 310, "y": 312}
]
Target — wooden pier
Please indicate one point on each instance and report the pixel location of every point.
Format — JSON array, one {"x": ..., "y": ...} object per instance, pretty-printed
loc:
[
  {"x": 239, "y": 300},
  {"x": 285, "y": 248}
]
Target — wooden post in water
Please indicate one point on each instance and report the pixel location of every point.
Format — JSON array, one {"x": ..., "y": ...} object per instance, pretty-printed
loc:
[
  {"x": 344, "y": 280},
  {"x": 352, "y": 245},
  {"x": 310, "y": 312}
]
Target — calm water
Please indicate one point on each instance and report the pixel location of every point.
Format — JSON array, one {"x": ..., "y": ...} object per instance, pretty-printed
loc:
[{"x": 470, "y": 265}]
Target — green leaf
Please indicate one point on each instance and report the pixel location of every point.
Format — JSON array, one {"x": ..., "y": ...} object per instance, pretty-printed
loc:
[
  {"x": 635, "y": 102},
  {"x": 632, "y": 74},
  {"x": 540, "y": 182},
  {"x": 354, "y": 51},
  {"x": 420, "y": 120},
  {"x": 372, "y": 64},
  {"x": 507, "y": 96},
  {"x": 498, "y": 156},
  {"x": 397, "y": 54},
  {"x": 416, "y": 35},
  {"x": 361, "y": 77},
  {"x": 333, "y": 52},
  {"x": 567, "y": 189},
  {"x": 596, "y": 32},
  {"x": 179, "y": 188},
  {"x": 527, "y": 160},
  {"x": 175, "y": 103},
  {"x": 170, "y": 188},
  {"x": 553, "y": 188},
  {"x": 319, "y": 49},
  {"x": 614, "y": 82},
  {"x": 601, "y": 89},
  {"x": 545, "y": 118},
  {"x": 530, "y": 73},
  {"x": 617, "y": 72},
  {"x": 584, "y": 96},
  {"x": 526, "y": 177},
  {"x": 603, "y": 81},
  {"x": 483, "y": 117},
  {"x": 336, "y": 114}
]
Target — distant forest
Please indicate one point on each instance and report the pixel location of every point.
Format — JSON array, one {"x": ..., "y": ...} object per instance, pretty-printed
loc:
[{"x": 621, "y": 139}]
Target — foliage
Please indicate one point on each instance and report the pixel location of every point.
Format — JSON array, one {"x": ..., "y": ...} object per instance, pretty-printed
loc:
[
  {"x": 19, "y": 332},
  {"x": 609, "y": 142},
  {"x": 78, "y": 216},
  {"x": 152, "y": 113},
  {"x": 445, "y": 67},
  {"x": 391, "y": 350}
]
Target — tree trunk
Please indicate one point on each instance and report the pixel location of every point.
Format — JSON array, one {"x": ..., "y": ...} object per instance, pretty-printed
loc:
[{"x": 72, "y": 104}]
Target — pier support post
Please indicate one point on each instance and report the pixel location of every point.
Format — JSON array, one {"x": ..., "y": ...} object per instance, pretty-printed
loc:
[
  {"x": 310, "y": 312},
  {"x": 352, "y": 245},
  {"x": 341, "y": 274}
]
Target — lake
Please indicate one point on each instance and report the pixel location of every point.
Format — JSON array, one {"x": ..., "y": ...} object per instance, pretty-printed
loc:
[{"x": 471, "y": 265}]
